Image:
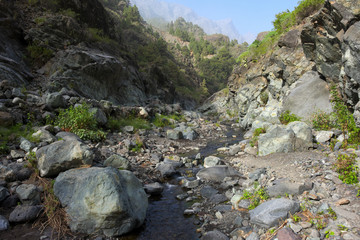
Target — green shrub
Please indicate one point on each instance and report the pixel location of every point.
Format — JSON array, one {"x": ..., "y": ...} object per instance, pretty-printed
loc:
[
  {"x": 81, "y": 121},
  {"x": 306, "y": 8},
  {"x": 288, "y": 117},
  {"x": 264, "y": 97},
  {"x": 116, "y": 124},
  {"x": 345, "y": 166},
  {"x": 165, "y": 121},
  {"x": 255, "y": 197},
  {"x": 255, "y": 137},
  {"x": 38, "y": 55},
  {"x": 323, "y": 121}
]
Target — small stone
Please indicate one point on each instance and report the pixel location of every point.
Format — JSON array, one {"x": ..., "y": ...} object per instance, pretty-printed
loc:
[
  {"x": 15, "y": 154},
  {"x": 128, "y": 129},
  {"x": 4, "y": 223},
  {"x": 189, "y": 212},
  {"x": 305, "y": 225},
  {"x": 287, "y": 234},
  {"x": 343, "y": 201},
  {"x": 219, "y": 215},
  {"x": 296, "y": 228},
  {"x": 182, "y": 196}
]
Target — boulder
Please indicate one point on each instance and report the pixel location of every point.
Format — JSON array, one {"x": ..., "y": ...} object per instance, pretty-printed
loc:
[
  {"x": 6, "y": 119},
  {"x": 99, "y": 115},
  {"x": 63, "y": 155},
  {"x": 55, "y": 100},
  {"x": 26, "y": 145},
  {"x": 310, "y": 95},
  {"x": 4, "y": 193},
  {"x": 4, "y": 223},
  {"x": 217, "y": 173},
  {"x": 269, "y": 213},
  {"x": 303, "y": 135},
  {"x": 25, "y": 213},
  {"x": 154, "y": 188},
  {"x": 102, "y": 200},
  {"x": 187, "y": 132},
  {"x": 214, "y": 235},
  {"x": 44, "y": 136},
  {"x": 276, "y": 139},
  {"x": 211, "y": 161},
  {"x": 166, "y": 169},
  {"x": 282, "y": 187},
  {"x": 29, "y": 194},
  {"x": 117, "y": 161},
  {"x": 174, "y": 134},
  {"x": 323, "y": 136}
]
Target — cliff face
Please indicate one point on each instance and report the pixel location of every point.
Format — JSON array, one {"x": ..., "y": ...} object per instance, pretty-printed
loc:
[
  {"x": 323, "y": 50},
  {"x": 97, "y": 49}
]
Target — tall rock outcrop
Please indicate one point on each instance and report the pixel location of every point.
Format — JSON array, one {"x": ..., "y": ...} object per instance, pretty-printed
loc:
[{"x": 323, "y": 50}]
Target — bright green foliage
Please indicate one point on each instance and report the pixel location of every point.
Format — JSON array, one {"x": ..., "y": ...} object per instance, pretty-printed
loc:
[
  {"x": 329, "y": 233},
  {"x": 81, "y": 121},
  {"x": 138, "y": 146},
  {"x": 255, "y": 137},
  {"x": 288, "y": 117},
  {"x": 306, "y": 8},
  {"x": 283, "y": 22},
  {"x": 15, "y": 132},
  {"x": 166, "y": 121},
  {"x": 256, "y": 197},
  {"x": 323, "y": 121},
  {"x": 119, "y": 123},
  {"x": 344, "y": 118},
  {"x": 296, "y": 218},
  {"x": 345, "y": 166}
]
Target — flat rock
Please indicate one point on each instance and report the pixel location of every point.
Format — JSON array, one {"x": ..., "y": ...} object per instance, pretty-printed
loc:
[
  {"x": 154, "y": 188},
  {"x": 269, "y": 213},
  {"x": 217, "y": 173}
]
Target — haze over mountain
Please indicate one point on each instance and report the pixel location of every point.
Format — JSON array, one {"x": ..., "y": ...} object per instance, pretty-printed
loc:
[{"x": 164, "y": 11}]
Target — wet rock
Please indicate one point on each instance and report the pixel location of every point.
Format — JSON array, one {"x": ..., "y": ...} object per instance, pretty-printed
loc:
[
  {"x": 166, "y": 169},
  {"x": 211, "y": 161},
  {"x": 4, "y": 193},
  {"x": 214, "y": 235},
  {"x": 29, "y": 194},
  {"x": 287, "y": 234},
  {"x": 208, "y": 192},
  {"x": 323, "y": 136},
  {"x": 269, "y": 213},
  {"x": 114, "y": 207},
  {"x": 25, "y": 213},
  {"x": 154, "y": 188},
  {"x": 4, "y": 223},
  {"x": 217, "y": 173},
  {"x": 174, "y": 134},
  {"x": 61, "y": 156},
  {"x": 118, "y": 162}
]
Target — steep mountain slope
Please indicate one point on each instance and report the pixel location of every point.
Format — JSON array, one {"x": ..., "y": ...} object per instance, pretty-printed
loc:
[
  {"x": 106, "y": 52},
  {"x": 157, "y": 12},
  {"x": 293, "y": 70}
]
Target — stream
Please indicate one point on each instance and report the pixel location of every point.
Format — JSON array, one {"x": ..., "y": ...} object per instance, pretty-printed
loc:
[{"x": 165, "y": 219}]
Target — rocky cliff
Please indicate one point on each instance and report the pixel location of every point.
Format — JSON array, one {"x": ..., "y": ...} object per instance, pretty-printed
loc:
[
  {"x": 97, "y": 49},
  {"x": 295, "y": 75}
]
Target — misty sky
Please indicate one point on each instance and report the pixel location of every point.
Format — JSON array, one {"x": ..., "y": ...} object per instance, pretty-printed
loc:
[{"x": 249, "y": 16}]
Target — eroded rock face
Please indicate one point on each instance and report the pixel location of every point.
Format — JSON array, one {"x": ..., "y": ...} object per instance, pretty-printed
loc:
[
  {"x": 61, "y": 156},
  {"x": 311, "y": 94},
  {"x": 102, "y": 200}
]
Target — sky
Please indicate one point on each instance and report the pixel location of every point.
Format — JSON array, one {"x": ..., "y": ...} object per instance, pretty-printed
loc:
[{"x": 248, "y": 16}]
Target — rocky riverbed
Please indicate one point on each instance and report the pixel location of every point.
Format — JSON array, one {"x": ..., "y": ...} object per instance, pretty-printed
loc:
[{"x": 223, "y": 188}]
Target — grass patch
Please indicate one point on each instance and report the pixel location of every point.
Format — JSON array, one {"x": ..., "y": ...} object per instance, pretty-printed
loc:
[
  {"x": 167, "y": 120},
  {"x": 288, "y": 117},
  {"x": 345, "y": 166},
  {"x": 255, "y": 137},
  {"x": 255, "y": 197},
  {"x": 116, "y": 124}
]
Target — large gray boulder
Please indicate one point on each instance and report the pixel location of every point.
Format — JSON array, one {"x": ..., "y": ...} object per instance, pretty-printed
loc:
[
  {"x": 102, "y": 200},
  {"x": 217, "y": 173},
  {"x": 63, "y": 155},
  {"x": 303, "y": 135},
  {"x": 310, "y": 95},
  {"x": 269, "y": 213},
  {"x": 277, "y": 139}
]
